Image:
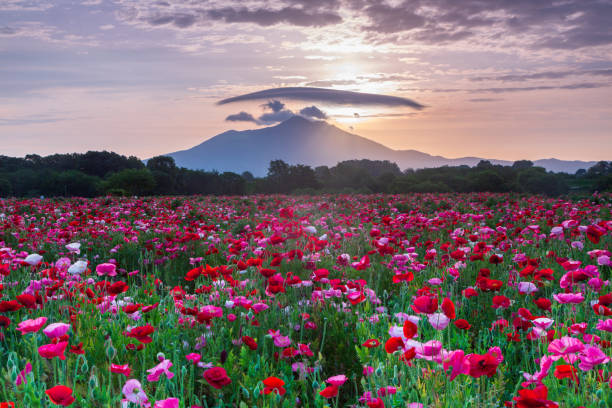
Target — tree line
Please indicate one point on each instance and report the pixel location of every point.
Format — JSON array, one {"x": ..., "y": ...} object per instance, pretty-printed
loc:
[{"x": 98, "y": 173}]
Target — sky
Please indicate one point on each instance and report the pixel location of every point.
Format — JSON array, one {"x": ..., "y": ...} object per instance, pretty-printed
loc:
[{"x": 501, "y": 79}]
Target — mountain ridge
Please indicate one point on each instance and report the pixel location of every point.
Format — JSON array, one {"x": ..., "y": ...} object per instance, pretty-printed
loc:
[{"x": 302, "y": 141}]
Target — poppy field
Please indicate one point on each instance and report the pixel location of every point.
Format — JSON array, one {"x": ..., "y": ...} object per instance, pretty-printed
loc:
[{"x": 421, "y": 300}]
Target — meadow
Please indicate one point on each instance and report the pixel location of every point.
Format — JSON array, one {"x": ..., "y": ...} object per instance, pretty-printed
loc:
[{"x": 420, "y": 300}]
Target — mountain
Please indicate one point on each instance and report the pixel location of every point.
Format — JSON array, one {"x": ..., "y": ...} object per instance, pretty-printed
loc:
[{"x": 301, "y": 141}]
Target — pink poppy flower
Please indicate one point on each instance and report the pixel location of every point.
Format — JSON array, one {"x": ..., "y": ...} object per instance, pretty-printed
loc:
[
  {"x": 259, "y": 307},
  {"x": 538, "y": 376},
  {"x": 438, "y": 321},
  {"x": 565, "y": 348},
  {"x": 591, "y": 356},
  {"x": 56, "y": 330},
  {"x": 133, "y": 393},
  {"x": 31, "y": 325},
  {"x": 527, "y": 288},
  {"x": 162, "y": 368},
  {"x": 282, "y": 341}
]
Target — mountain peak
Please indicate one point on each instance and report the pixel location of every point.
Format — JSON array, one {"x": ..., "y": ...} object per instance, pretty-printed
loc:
[
  {"x": 299, "y": 140},
  {"x": 297, "y": 120}
]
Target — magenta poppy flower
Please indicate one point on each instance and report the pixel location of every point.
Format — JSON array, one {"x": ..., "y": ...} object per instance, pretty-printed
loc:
[
  {"x": 568, "y": 297},
  {"x": 121, "y": 369},
  {"x": 337, "y": 380},
  {"x": 193, "y": 357},
  {"x": 167, "y": 403},
  {"x": 604, "y": 325},
  {"x": 21, "y": 377},
  {"x": 108, "y": 269},
  {"x": 53, "y": 350},
  {"x": 456, "y": 359}
]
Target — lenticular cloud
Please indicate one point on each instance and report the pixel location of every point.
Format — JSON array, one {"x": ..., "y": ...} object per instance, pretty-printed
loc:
[{"x": 333, "y": 96}]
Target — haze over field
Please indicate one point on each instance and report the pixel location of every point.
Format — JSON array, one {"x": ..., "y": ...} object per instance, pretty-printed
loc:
[{"x": 500, "y": 79}]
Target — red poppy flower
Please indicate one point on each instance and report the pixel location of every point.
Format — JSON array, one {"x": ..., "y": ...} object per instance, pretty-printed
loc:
[
  {"x": 462, "y": 324},
  {"x": 594, "y": 233},
  {"x": 9, "y": 306},
  {"x": 425, "y": 304},
  {"x": 78, "y": 349},
  {"x": 371, "y": 343},
  {"x": 495, "y": 259},
  {"x": 193, "y": 274},
  {"x": 482, "y": 364},
  {"x": 266, "y": 272},
  {"x": 543, "y": 303},
  {"x": 250, "y": 342},
  {"x": 141, "y": 333},
  {"x": 273, "y": 384},
  {"x": 60, "y": 395},
  {"x": 377, "y": 403},
  {"x": 329, "y": 392},
  {"x": 403, "y": 277},
  {"x": 27, "y": 300},
  {"x": 500, "y": 301},
  {"x": 394, "y": 344},
  {"x": 535, "y": 398},
  {"x": 117, "y": 288},
  {"x": 408, "y": 355},
  {"x": 410, "y": 329},
  {"x": 4, "y": 321},
  {"x": 217, "y": 377},
  {"x": 448, "y": 307},
  {"x": 566, "y": 371}
]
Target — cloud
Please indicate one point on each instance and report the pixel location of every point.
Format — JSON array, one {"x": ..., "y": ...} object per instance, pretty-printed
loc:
[
  {"x": 485, "y": 100},
  {"x": 241, "y": 117},
  {"x": 6, "y": 30},
  {"x": 387, "y": 19},
  {"x": 275, "y": 106},
  {"x": 325, "y": 83},
  {"x": 569, "y": 24},
  {"x": 313, "y": 112},
  {"x": 275, "y": 117},
  {"x": 542, "y": 24},
  {"x": 582, "y": 85},
  {"x": 377, "y": 115},
  {"x": 265, "y": 17},
  {"x": 544, "y": 75},
  {"x": 278, "y": 114},
  {"x": 37, "y": 119},
  {"x": 180, "y": 20},
  {"x": 332, "y": 96},
  {"x": 25, "y": 5}
]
